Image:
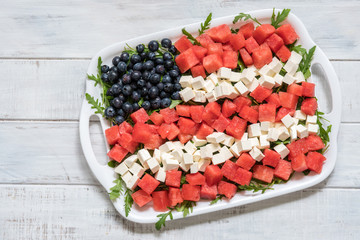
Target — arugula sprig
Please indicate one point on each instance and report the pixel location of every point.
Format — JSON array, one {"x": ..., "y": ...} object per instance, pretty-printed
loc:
[
  {"x": 206, "y": 25},
  {"x": 116, "y": 190},
  {"x": 307, "y": 57},
  {"x": 256, "y": 187},
  {"x": 162, "y": 219},
  {"x": 244, "y": 17},
  {"x": 95, "y": 104},
  {"x": 128, "y": 202},
  {"x": 280, "y": 17},
  {"x": 190, "y": 37},
  {"x": 218, "y": 198},
  {"x": 323, "y": 133}
]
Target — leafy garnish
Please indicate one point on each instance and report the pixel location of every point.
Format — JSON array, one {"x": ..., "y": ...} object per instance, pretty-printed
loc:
[
  {"x": 116, "y": 190},
  {"x": 255, "y": 187},
  {"x": 174, "y": 103},
  {"x": 307, "y": 57},
  {"x": 306, "y": 172},
  {"x": 218, "y": 198},
  {"x": 183, "y": 180},
  {"x": 162, "y": 219},
  {"x": 206, "y": 25},
  {"x": 190, "y": 37},
  {"x": 244, "y": 17},
  {"x": 95, "y": 104},
  {"x": 323, "y": 133},
  {"x": 235, "y": 31},
  {"x": 128, "y": 202},
  {"x": 186, "y": 207},
  {"x": 280, "y": 17},
  {"x": 112, "y": 163}
]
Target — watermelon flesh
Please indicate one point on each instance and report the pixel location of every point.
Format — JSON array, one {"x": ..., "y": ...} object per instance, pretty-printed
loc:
[{"x": 141, "y": 198}]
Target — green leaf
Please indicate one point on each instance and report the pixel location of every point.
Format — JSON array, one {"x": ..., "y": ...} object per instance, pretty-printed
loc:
[
  {"x": 256, "y": 187},
  {"x": 306, "y": 172},
  {"x": 190, "y": 37},
  {"x": 279, "y": 18},
  {"x": 244, "y": 17},
  {"x": 141, "y": 101},
  {"x": 112, "y": 164},
  {"x": 218, "y": 198},
  {"x": 162, "y": 218},
  {"x": 128, "y": 202},
  {"x": 206, "y": 25},
  {"x": 185, "y": 207},
  {"x": 174, "y": 103},
  {"x": 116, "y": 190},
  {"x": 323, "y": 133},
  {"x": 95, "y": 104},
  {"x": 307, "y": 57}
]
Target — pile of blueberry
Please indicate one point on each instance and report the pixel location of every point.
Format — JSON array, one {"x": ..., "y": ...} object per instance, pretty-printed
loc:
[{"x": 146, "y": 77}]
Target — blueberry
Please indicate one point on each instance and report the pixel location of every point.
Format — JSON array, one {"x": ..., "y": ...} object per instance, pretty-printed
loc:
[
  {"x": 156, "y": 103},
  {"x": 146, "y": 105},
  {"x": 116, "y": 60},
  {"x": 109, "y": 112},
  {"x": 121, "y": 112},
  {"x": 176, "y": 68},
  {"x": 148, "y": 85},
  {"x": 146, "y": 75},
  {"x": 166, "y": 43},
  {"x": 175, "y": 95},
  {"x": 151, "y": 56},
  {"x": 141, "y": 83},
  {"x": 148, "y": 65},
  {"x": 160, "y": 86},
  {"x": 164, "y": 94},
  {"x": 109, "y": 92},
  {"x": 120, "y": 83},
  {"x": 135, "y": 96},
  {"x": 140, "y": 48},
  {"x": 124, "y": 56},
  {"x": 113, "y": 76},
  {"x": 122, "y": 97},
  {"x": 155, "y": 78},
  {"x": 143, "y": 56},
  {"x": 114, "y": 69},
  {"x": 165, "y": 102},
  {"x": 119, "y": 119},
  {"x": 159, "y": 61},
  {"x": 104, "y": 68},
  {"x": 135, "y": 58},
  {"x": 133, "y": 86},
  {"x": 146, "y": 98},
  {"x": 168, "y": 64},
  {"x": 135, "y": 106},
  {"x": 177, "y": 79},
  {"x": 126, "y": 79},
  {"x": 127, "y": 90},
  {"x": 143, "y": 91},
  {"x": 116, "y": 89},
  {"x": 160, "y": 69},
  {"x": 168, "y": 87},
  {"x": 172, "y": 49},
  {"x": 127, "y": 107},
  {"x": 130, "y": 71},
  {"x": 116, "y": 102},
  {"x": 177, "y": 87},
  {"x": 122, "y": 67},
  {"x": 152, "y": 71},
  {"x": 105, "y": 77},
  {"x": 173, "y": 73},
  {"x": 153, "y": 46},
  {"x": 166, "y": 79},
  {"x": 135, "y": 76},
  {"x": 130, "y": 66},
  {"x": 167, "y": 56},
  {"x": 138, "y": 66},
  {"x": 153, "y": 92}
]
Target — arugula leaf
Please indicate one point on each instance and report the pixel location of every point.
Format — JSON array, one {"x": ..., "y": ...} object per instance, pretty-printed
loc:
[
  {"x": 235, "y": 31},
  {"x": 112, "y": 164},
  {"x": 186, "y": 207},
  {"x": 162, "y": 219},
  {"x": 206, "y": 25},
  {"x": 255, "y": 187},
  {"x": 95, "y": 104},
  {"x": 128, "y": 202},
  {"x": 307, "y": 57},
  {"x": 306, "y": 172},
  {"x": 323, "y": 133},
  {"x": 174, "y": 103},
  {"x": 244, "y": 17},
  {"x": 280, "y": 17},
  {"x": 116, "y": 190},
  {"x": 190, "y": 37},
  {"x": 218, "y": 198}
]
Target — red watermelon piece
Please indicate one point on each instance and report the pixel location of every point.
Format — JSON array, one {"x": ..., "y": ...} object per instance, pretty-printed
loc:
[
  {"x": 274, "y": 42},
  {"x": 251, "y": 45},
  {"x": 249, "y": 114},
  {"x": 126, "y": 141},
  {"x": 237, "y": 41},
  {"x": 155, "y": 141},
  {"x": 204, "y": 40},
  {"x": 196, "y": 112},
  {"x": 183, "y": 44},
  {"x": 288, "y": 100},
  {"x": 247, "y": 30},
  {"x": 267, "y": 112},
  {"x": 142, "y": 132},
  {"x": 297, "y": 147},
  {"x": 262, "y": 32},
  {"x": 308, "y": 89},
  {"x": 112, "y": 134},
  {"x": 309, "y": 106},
  {"x": 190, "y": 192},
  {"x": 140, "y": 116},
  {"x": 236, "y": 128},
  {"x": 195, "y": 179},
  {"x": 245, "y": 161},
  {"x": 245, "y": 56},
  {"x": 314, "y": 143},
  {"x": 227, "y": 189},
  {"x": 148, "y": 183},
  {"x": 204, "y": 131},
  {"x": 198, "y": 70},
  {"x": 175, "y": 196},
  {"x": 298, "y": 163},
  {"x": 262, "y": 56},
  {"x": 212, "y": 62},
  {"x": 183, "y": 110},
  {"x": 208, "y": 192},
  {"x": 242, "y": 176},
  {"x": 117, "y": 153},
  {"x": 287, "y": 33},
  {"x": 228, "y": 108},
  {"x": 186, "y": 60},
  {"x": 184, "y": 138},
  {"x": 169, "y": 115},
  {"x": 221, "y": 123},
  {"x": 263, "y": 173},
  {"x": 215, "y": 48},
  {"x": 161, "y": 201},
  {"x": 295, "y": 89},
  {"x": 274, "y": 99},
  {"x": 230, "y": 59},
  {"x": 164, "y": 130},
  {"x": 174, "y": 132},
  {"x": 240, "y": 102},
  {"x": 173, "y": 178},
  {"x": 283, "y": 53},
  {"x": 157, "y": 118},
  {"x": 271, "y": 158},
  {"x": 283, "y": 112},
  {"x": 227, "y": 47},
  {"x": 229, "y": 169},
  {"x": 221, "y": 34},
  {"x": 314, "y": 161},
  {"x": 213, "y": 174},
  {"x": 211, "y": 112},
  {"x": 199, "y": 51},
  {"x": 187, "y": 126},
  {"x": 141, "y": 198},
  {"x": 125, "y": 127},
  {"x": 283, "y": 170}
]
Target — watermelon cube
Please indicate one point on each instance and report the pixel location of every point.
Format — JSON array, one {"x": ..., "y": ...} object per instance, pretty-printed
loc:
[
  {"x": 155, "y": 141},
  {"x": 175, "y": 196},
  {"x": 283, "y": 53},
  {"x": 196, "y": 112},
  {"x": 237, "y": 41},
  {"x": 242, "y": 176},
  {"x": 141, "y": 197},
  {"x": 117, "y": 153},
  {"x": 274, "y": 99},
  {"x": 215, "y": 48},
  {"x": 308, "y": 89},
  {"x": 142, "y": 132},
  {"x": 227, "y": 47},
  {"x": 186, "y": 60},
  {"x": 297, "y": 147},
  {"x": 267, "y": 112},
  {"x": 140, "y": 116},
  {"x": 112, "y": 134},
  {"x": 198, "y": 70},
  {"x": 295, "y": 89},
  {"x": 314, "y": 142},
  {"x": 204, "y": 131},
  {"x": 314, "y": 161},
  {"x": 174, "y": 131},
  {"x": 274, "y": 42},
  {"x": 228, "y": 108},
  {"x": 204, "y": 40},
  {"x": 213, "y": 174},
  {"x": 236, "y": 128},
  {"x": 262, "y": 56},
  {"x": 212, "y": 62},
  {"x": 263, "y": 173},
  {"x": 199, "y": 51},
  {"x": 283, "y": 170},
  {"x": 183, "y": 110},
  {"x": 288, "y": 100},
  {"x": 127, "y": 142},
  {"x": 184, "y": 138},
  {"x": 212, "y": 110},
  {"x": 240, "y": 102},
  {"x": 249, "y": 114},
  {"x": 156, "y": 118},
  {"x": 287, "y": 33},
  {"x": 283, "y": 112},
  {"x": 247, "y": 30},
  {"x": 260, "y": 93},
  {"x": 187, "y": 126},
  {"x": 221, "y": 123},
  {"x": 183, "y": 44},
  {"x": 227, "y": 189},
  {"x": 262, "y": 32},
  {"x": 148, "y": 183},
  {"x": 169, "y": 115},
  {"x": 298, "y": 163},
  {"x": 251, "y": 45},
  {"x": 245, "y": 56},
  {"x": 221, "y": 34},
  {"x": 125, "y": 127},
  {"x": 190, "y": 192},
  {"x": 173, "y": 178},
  {"x": 230, "y": 59},
  {"x": 229, "y": 169},
  {"x": 245, "y": 161},
  {"x": 195, "y": 179},
  {"x": 161, "y": 201},
  {"x": 164, "y": 130},
  {"x": 208, "y": 192},
  {"x": 271, "y": 158},
  {"x": 309, "y": 106}
]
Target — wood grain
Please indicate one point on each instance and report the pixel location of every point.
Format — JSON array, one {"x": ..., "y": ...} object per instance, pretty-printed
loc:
[{"x": 57, "y": 29}]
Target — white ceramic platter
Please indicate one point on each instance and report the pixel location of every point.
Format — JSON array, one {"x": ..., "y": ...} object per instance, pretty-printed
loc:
[{"x": 327, "y": 92}]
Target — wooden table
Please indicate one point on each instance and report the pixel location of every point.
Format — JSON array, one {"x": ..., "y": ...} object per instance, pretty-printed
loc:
[{"x": 46, "y": 188}]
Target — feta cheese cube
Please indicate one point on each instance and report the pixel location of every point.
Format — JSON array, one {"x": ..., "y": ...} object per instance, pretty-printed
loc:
[
  {"x": 226, "y": 152},
  {"x": 223, "y": 155},
  {"x": 224, "y": 73},
  {"x": 235, "y": 76},
  {"x": 199, "y": 96},
  {"x": 290, "y": 68},
  {"x": 177, "y": 154},
  {"x": 253, "y": 85},
  {"x": 187, "y": 94},
  {"x": 189, "y": 147},
  {"x": 196, "y": 156},
  {"x": 188, "y": 158},
  {"x": 254, "y": 142},
  {"x": 205, "y": 153},
  {"x": 296, "y": 121},
  {"x": 312, "y": 128},
  {"x": 137, "y": 169},
  {"x": 194, "y": 168},
  {"x": 184, "y": 167},
  {"x": 302, "y": 131},
  {"x": 295, "y": 57},
  {"x": 288, "y": 121},
  {"x": 218, "y": 92},
  {"x": 213, "y": 147},
  {"x": 216, "y": 137},
  {"x": 153, "y": 165},
  {"x": 234, "y": 149},
  {"x": 293, "y": 133},
  {"x": 263, "y": 142},
  {"x": 299, "y": 77},
  {"x": 132, "y": 183},
  {"x": 198, "y": 83},
  {"x": 178, "y": 145},
  {"x": 213, "y": 78},
  {"x": 247, "y": 76},
  {"x": 256, "y": 154},
  {"x": 186, "y": 81},
  {"x": 198, "y": 142},
  {"x": 167, "y": 147},
  {"x": 299, "y": 115},
  {"x": 311, "y": 119},
  {"x": 282, "y": 150},
  {"x": 288, "y": 79},
  {"x": 160, "y": 175},
  {"x": 275, "y": 65},
  {"x": 264, "y": 126},
  {"x": 244, "y": 136},
  {"x": 273, "y": 135},
  {"x": 143, "y": 155},
  {"x": 246, "y": 146},
  {"x": 254, "y": 130},
  {"x": 278, "y": 125},
  {"x": 266, "y": 71},
  {"x": 203, "y": 163},
  {"x": 209, "y": 86},
  {"x": 283, "y": 133},
  {"x": 210, "y": 96},
  {"x": 229, "y": 92},
  {"x": 157, "y": 155},
  {"x": 166, "y": 156},
  {"x": 242, "y": 89},
  {"x": 129, "y": 161},
  {"x": 126, "y": 177},
  {"x": 228, "y": 141},
  {"x": 121, "y": 169},
  {"x": 278, "y": 79},
  {"x": 170, "y": 164},
  {"x": 267, "y": 82}
]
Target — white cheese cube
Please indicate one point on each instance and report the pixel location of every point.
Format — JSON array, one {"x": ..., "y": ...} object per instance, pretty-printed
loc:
[
  {"x": 282, "y": 150},
  {"x": 187, "y": 94},
  {"x": 290, "y": 68},
  {"x": 153, "y": 165},
  {"x": 213, "y": 147},
  {"x": 126, "y": 177},
  {"x": 223, "y": 155},
  {"x": 196, "y": 156},
  {"x": 293, "y": 133},
  {"x": 160, "y": 175},
  {"x": 157, "y": 155},
  {"x": 186, "y": 81},
  {"x": 288, "y": 79},
  {"x": 283, "y": 133},
  {"x": 296, "y": 121},
  {"x": 166, "y": 156},
  {"x": 273, "y": 135},
  {"x": 266, "y": 71},
  {"x": 143, "y": 155},
  {"x": 253, "y": 85},
  {"x": 235, "y": 76},
  {"x": 264, "y": 126},
  {"x": 184, "y": 167},
  {"x": 247, "y": 76},
  {"x": 228, "y": 141},
  {"x": 199, "y": 96},
  {"x": 178, "y": 145},
  {"x": 288, "y": 121},
  {"x": 252, "y": 68},
  {"x": 224, "y": 73},
  {"x": 189, "y": 147},
  {"x": 198, "y": 142},
  {"x": 246, "y": 146},
  {"x": 167, "y": 147},
  {"x": 170, "y": 164},
  {"x": 234, "y": 149},
  {"x": 215, "y": 137},
  {"x": 254, "y": 142},
  {"x": 299, "y": 77},
  {"x": 137, "y": 169},
  {"x": 242, "y": 89},
  {"x": 198, "y": 82},
  {"x": 311, "y": 119},
  {"x": 299, "y": 115},
  {"x": 188, "y": 158},
  {"x": 229, "y": 92},
  {"x": 244, "y": 136},
  {"x": 177, "y": 154},
  {"x": 218, "y": 92},
  {"x": 213, "y": 78},
  {"x": 295, "y": 57},
  {"x": 130, "y": 160},
  {"x": 302, "y": 131},
  {"x": 194, "y": 168},
  {"x": 275, "y": 65},
  {"x": 254, "y": 130},
  {"x": 226, "y": 152},
  {"x": 278, "y": 79},
  {"x": 256, "y": 154},
  {"x": 203, "y": 163},
  {"x": 209, "y": 86},
  {"x": 121, "y": 169},
  {"x": 205, "y": 153},
  {"x": 312, "y": 128},
  {"x": 267, "y": 82},
  {"x": 132, "y": 183},
  {"x": 263, "y": 142},
  {"x": 210, "y": 96},
  {"x": 278, "y": 125}
]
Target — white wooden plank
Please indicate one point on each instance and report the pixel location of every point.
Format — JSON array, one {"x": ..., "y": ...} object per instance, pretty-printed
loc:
[
  {"x": 50, "y": 153},
  {"x": 56, "y": 29},
  {"x": 43, "y": 89},
  {"x": 84, "y": 212}
]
